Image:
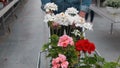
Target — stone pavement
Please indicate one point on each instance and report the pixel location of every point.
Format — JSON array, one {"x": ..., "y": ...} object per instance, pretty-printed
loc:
[{"x": 21, "y": 48}]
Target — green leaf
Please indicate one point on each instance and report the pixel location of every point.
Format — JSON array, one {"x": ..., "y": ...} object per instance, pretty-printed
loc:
[
  {"x": 85, "y": 66},
  {"x": 50, "y": 23},
  {"x": 45, "y": 46},
  {"x": 99, "y": 58},
  {"x": 110, "y": 65},
  {"x": 98, "y": 66},
  {"x": 91, "y": 60},
  {"x": 54, "y": 40}
]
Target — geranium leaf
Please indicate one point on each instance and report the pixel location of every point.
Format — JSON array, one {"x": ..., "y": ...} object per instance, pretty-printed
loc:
[
  {"x": 110, "y": 65},
  {"x": 85, "y": 66},
  {"x": 99, "y": 58},
  {"x": 98, "y": 66},
  {"x": 45, "y": 46},
  {"x": 92, "y": 60}
]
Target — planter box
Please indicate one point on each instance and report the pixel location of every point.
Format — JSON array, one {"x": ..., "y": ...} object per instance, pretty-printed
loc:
[{"x": 113, "y": 10}]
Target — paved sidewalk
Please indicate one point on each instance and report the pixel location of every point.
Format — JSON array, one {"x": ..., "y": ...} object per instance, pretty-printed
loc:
[{"x": 21, "y": 48}]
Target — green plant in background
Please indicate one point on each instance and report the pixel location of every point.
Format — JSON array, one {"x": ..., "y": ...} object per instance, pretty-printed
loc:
[
  {"x": 112, "y": 3},
  {"x": 113, "y": 64}
]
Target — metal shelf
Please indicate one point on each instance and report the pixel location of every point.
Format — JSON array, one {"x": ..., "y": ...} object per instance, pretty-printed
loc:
[{"x": 5, "y": 13}]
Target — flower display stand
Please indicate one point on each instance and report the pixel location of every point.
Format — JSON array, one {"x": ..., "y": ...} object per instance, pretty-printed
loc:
[
  {"x": 67, "y": 46},
  {"x": 71, "y": 49},
  {"x": 5, "y": 13}
]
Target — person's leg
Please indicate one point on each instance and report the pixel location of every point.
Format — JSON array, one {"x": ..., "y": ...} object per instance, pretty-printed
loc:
[
  {"x": 86, "y": 16},
  {"x": 92, "y": 16}
]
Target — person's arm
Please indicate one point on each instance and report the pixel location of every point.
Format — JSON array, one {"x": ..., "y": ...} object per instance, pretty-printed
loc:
[
  {"x": 84, "y": 7},
  {"x": 43, "y": 2}
]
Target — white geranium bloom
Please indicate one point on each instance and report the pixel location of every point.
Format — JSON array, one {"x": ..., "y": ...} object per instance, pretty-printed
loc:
[
  {"x": 88, "y": 26},
  {"x": 75, "y": 19},
  {"x": 79, "y": 20},
  {"x": 50, "y": 7},
  {"x": 62, "y": 19},
  {"x": 76, "y": 32},
  {"x": 79, "y": 25},
  {"x": 70, "y": 18},
  {"x": 71, "y": 10},
  {"x": 49, "y": 17}
]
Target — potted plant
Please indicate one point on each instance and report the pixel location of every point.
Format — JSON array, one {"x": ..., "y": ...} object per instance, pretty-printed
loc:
[{"x": 113, "y": 6}]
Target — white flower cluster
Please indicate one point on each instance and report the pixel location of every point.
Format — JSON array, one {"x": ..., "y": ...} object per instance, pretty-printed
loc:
[
  {"x": 68, "y": 19},
  {"x": 71, "y": 11},
  {"x": 49, "y": 17},
  {"x": 75, "y": 19},
  {"x": 76, "y": 32},
  {"x": 50, "y": 7},
  {"x": 88, "y": 26},
  {"x": 62, "y": 19}
]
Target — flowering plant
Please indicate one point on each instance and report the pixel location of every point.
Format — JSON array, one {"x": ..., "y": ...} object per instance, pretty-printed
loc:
[
  {"x": 62, "y": 45},
  {"x": 50, "y": 17},
  {"x": 60, "y": 61},
  {"x": 50, "y": 7},
  {"x": 70, "y": 49},
  {"x": 62, "y": 19},
  {"x": 71, "y": 11},
  {"x": 65, "y": 52},
  {"x": 69, "y": 17}
]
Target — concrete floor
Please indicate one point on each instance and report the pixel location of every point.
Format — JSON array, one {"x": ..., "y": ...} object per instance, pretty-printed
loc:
[
  {"x": 108, "y": 45},
  {"x": 21, "y": 48}
]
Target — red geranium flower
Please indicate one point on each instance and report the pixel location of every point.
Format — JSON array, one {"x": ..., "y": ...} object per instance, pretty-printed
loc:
[
  {"x": 91, "y": 48},
  {"x": 85, "y": 46},
  {"x": 80, "y": 44}
]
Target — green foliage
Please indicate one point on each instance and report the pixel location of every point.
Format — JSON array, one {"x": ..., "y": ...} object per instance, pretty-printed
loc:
[
  {"x": 112, "y": 64},
  {"x": 97, "y": 62},
  {"x": 112, "y": 3},
  {"x": 50, "y": 23}
]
